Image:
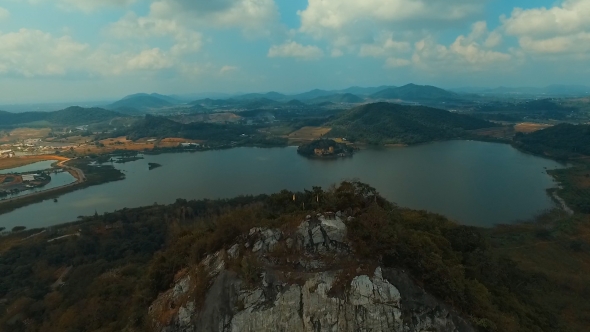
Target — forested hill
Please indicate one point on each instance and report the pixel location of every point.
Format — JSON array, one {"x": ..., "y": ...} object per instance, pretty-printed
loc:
[
  {"x": 562, "y": 141},
  {"x": 160, "y": 127},
  {"x": 67, "y": 117},
  {"x": 382, "y": 123},
  {"x": 141, "y": 101}
]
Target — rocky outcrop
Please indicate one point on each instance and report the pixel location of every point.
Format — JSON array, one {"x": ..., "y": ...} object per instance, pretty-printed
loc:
[{"x": 321, "y": 294}]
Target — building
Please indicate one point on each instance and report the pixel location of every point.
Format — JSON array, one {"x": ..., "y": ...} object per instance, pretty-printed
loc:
[
  {"x": 28, "y": 177},
  {"x": 6, "y": 154}
]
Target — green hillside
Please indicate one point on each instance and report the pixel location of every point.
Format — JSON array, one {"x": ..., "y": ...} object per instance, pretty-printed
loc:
[
  {"x": 561, "y": 141},
  {"x": 141, "y": 101},
  {"x": 216, "y": 134},
  {"x": 381, "y": 123}
]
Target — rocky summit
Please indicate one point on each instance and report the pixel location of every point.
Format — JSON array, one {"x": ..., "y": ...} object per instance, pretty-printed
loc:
[{"x": 306, "y": 278}]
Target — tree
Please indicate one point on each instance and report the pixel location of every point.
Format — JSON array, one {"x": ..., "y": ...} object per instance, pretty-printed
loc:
[{"x": 18, "y": 229}]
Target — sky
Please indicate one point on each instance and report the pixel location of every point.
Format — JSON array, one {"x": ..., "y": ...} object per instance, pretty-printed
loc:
[{"x": 81, "y": 50}]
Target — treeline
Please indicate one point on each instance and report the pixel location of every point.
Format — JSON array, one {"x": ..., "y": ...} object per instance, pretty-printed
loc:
[
  {"x": 382, "y": 123},
  {"x": 160, "y": 127},
  {"x": 324, "y": 144},
  {"x": 70, "y": 116},
  {"x": 121, "y": 261},
  {"x": 562, "y": 141}
]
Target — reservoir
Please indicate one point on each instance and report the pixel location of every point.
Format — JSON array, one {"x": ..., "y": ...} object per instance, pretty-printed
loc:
[{"x": 474, "y": 183}]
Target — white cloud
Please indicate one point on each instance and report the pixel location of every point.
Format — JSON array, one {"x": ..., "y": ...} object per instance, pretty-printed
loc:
[
  {"x": 252, "y": 16},
  {"x": 34, "y": 53},
  {"x": 564, "y": 28},
  {"x": 132, "y": 26},
  {"x": 84, "y": 5},
  {"x": 227, "y": 69},
  {"x": 295, "y": 50},
  {"x": 384, "y": 48},
  {"x": 336, "y": 53},
  {"x": 397, "y": 62},
  {"x": 4, "y": 14},
  {"x": 473, "y": 52},
  {"x": 352, "y": 22}
]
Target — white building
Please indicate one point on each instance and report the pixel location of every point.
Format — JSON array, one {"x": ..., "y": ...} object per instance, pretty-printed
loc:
[{"x": 28, "y": 177}]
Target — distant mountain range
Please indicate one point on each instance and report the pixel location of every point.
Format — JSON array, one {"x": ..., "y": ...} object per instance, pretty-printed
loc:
[
  {"x": 142, "y": 103},
  {"x": 71, "y": 116},
  {"x": 551, "y": 90}
]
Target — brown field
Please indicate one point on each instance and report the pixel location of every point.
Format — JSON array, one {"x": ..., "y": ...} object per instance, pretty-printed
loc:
[
  {"x": 528, "y": 127},
  {"x": 122, "y": 143},
  {"x": 309, "y": 133},
  {"x": 17, "y": 179},
  {"x": 6, "y": 163},
  {"x": 20, "y": 134},
  {"x": 72, "y": 140},
  {"x": 174, "y": 142}
]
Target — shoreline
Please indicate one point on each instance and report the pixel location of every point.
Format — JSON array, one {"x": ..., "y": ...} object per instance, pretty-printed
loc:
[
  {"x": 8, "y": 163},
  {"x": 76, "y": 173}
]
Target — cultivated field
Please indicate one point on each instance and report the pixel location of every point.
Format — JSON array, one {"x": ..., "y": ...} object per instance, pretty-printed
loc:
[
  {"x": 20, "y": 134},
  {"x": 309, "y": 133},
  {"x": 528, "y": 127}
]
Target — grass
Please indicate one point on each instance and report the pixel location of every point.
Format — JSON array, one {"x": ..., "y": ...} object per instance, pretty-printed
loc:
[
  {"x": 20, "y": 134},
  {"x": 557, "y": 247},
  {"x": 309, "y": 133},
  {"x": 529, "y": 127}
]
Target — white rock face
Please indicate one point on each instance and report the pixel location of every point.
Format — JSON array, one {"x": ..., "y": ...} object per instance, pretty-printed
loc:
[
  {"x": 372, "y": 305},
  {"x": 322, "y": 303}
]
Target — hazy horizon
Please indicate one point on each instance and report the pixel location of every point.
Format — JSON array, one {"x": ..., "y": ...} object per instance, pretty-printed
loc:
[{"x": 74, "y": 51}]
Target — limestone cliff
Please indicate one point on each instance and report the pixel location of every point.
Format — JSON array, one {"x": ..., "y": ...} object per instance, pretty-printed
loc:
[{"x": 307, "y": 279}]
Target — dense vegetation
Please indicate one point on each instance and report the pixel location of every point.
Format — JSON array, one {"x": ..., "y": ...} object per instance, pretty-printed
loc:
[
  {"x": 160, "y": 127},
  {"x": 392, "y": 123},
  {"x": 121, "y": 261},
  {"x": 562, "y": 141},
  {"x": 71, "y": 116},
  {"x": 339, "y": 149},
  {"x": 541, "y": 109},
  {"x": 415, "y": 92}
]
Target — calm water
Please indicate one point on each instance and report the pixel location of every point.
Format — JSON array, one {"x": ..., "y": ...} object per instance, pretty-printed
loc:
[{"x": 475, "y": 183}]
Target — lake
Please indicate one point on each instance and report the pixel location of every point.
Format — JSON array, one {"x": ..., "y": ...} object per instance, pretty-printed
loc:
[{"x": 474, "y": 183}]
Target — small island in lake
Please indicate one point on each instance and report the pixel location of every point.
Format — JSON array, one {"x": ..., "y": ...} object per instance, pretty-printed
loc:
[
  {"x": 325, "y": 148},
  {"x": 153, "y": 165}
]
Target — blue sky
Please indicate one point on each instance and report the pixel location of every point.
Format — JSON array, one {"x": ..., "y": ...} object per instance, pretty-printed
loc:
[{"x": 78, "y": 50}]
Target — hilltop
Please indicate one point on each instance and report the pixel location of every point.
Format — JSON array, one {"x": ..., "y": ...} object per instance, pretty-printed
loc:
[
  {"x": 143, "y": 101},
  {"x": 562, "y": 141},
  {"x": 380, "y": 123}
]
